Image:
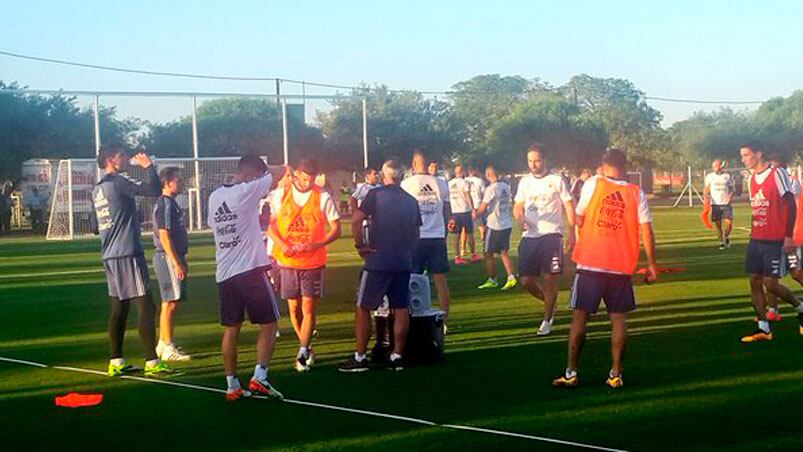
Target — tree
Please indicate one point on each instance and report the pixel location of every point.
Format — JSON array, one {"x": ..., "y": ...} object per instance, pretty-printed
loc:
[
  {"x": 707, "y": 136},
  {"x": 779, "y": 121}
]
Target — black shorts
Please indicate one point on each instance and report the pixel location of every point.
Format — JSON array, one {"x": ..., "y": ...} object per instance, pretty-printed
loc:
[
  {"x": 463, "y": 221},
  {"x": 247, "y": 292},
  {"x": 589, "y": 288},
  {"x": 296, "y": 283},
  {"x": 765, "y": 258},
  {"x": 375, "y": 286},
  {"x": 541, "y": 255},
  {"x": 720, "y": 212},
  {"x": 497, "y": 241},
  {"x": 431, "y": 255}
]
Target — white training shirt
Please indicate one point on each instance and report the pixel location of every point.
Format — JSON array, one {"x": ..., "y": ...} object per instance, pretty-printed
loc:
[
  {"x": 543, "y": 198},
  {"x": 361, "y": 191},
  {"x": 477, "y": 189},
  {"x": 327, "y": 205},
  {"x": 233, "y": 216},
  {"x": 644, "y": 215},
  {"x": 500, "y": 206},
  {"x": 720, "y": 185},
  {"x": 459, "y": 195},
  {"x": 431, "y": 193}
]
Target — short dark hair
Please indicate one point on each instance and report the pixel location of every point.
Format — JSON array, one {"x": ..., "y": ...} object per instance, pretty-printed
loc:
[
  {"x": 109, "y": 151},
  {"x": 536, "y": 147},
  {"x": 616, "y": 158},
  {"x": 753, "y": 145},
  {"x": 252, "y": 163},
  {"x": 419, "y": 153},
  {"x": 309, "y": 166},
  {"x": 370, "y": 170},
  {"x": 169, "y": 174}
]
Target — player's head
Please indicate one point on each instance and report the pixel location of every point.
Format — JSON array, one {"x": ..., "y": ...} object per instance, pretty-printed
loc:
[
  {"x": 752, "y": 154},
  {"x": 250, "y": 167},
  {"x": 585, "y": 174},
  {"x": 716, "y": 165},
  {"x": 432, "y": 169},
  {"x": 458, "y": 170},
  {"x": 614, "y": 163},
  {"x": 304, "y": 174},
  {"x": 170, "y": 178},
  {"x": 535, "y": 158},
  {"x": 112, "y": 157},
  {"x": 371, "y": 176},
  {"x": 473, "y": 171},
  {"x": 419, "y": 162},
  {"x": 490, "y": 173},
  {"x": 777, "y": 160},
  {"x": 391, "y": 172}
]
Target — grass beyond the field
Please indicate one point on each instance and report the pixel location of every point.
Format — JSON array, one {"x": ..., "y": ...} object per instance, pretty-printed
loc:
[{"x": 689, "y": 382}]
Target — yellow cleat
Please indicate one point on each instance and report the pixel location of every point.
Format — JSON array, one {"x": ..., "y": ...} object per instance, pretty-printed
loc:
[
  {"x": 615, "y": 382},
  {"x": 564, "y": 382},
  {"x": 758, "y": 336}
]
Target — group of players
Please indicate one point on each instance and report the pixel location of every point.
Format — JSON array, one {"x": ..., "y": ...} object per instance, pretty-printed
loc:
[{"x": 406, "y": 223}]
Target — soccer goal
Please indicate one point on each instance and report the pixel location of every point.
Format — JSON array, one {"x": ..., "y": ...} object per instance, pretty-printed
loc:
[{"x": 71, "y": 202}]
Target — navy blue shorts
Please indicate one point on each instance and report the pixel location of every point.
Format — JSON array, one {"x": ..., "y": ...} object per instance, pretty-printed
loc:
[
  {"x": 127, "y": 277},
  {"x": 497, "y": 241},
  {"x": 463, "y": 221},
  {"x": 431, "y": 255},
  {"x": 375, "y": 286},
  {"x": 765, "y": 258},
  {"x": 249, "y": 292},
  {"x": 541, "y": 255},
  {"x": 297, "y": 283},
  {"x": 720, "y": 212},
  {"x": 589, "y": 288}
]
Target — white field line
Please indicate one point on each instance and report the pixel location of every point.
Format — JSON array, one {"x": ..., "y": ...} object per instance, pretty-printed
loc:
[{"x": 324, "y": 406}]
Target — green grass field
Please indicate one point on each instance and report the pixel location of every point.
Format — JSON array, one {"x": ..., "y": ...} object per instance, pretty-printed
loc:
[{"x": 690, "y": 383}]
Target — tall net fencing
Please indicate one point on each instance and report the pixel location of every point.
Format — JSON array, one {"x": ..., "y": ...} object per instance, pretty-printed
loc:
[{"x": 71, "y": 202}]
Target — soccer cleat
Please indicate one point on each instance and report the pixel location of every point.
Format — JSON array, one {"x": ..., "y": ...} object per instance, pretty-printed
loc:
[
  {"x": 301, "y": 364},
  {"x": 545, "y": 329},
  {"x": 489, "y": 284},
  {"x": 160, "y": 348},
  {"x": 158, "y": 370},
  {"x": 237, "y": 394},
  {"x": 310, "y": 357},
  {"x": 758, "y": 336},
  {"x": 122, "y": 369},
  {"x": 460, "y": 261},
  {"x": 173, "y": 353},
  {"x": 510, "y": 283},
  {"x": 396, "y": 364},
  {"x": 615, "y": 382},
  {"x": 774, "y": 316},
  {"x": 264, "y": 388},
  {"x": 800, "y": 319},
  {"x": 566, "y": 382},
  {"x": 721, "y": 245},
  {"x": 476, "y": 257},
  {"x": 352, "y": 365},
  {"x": 727, "y": 242}
]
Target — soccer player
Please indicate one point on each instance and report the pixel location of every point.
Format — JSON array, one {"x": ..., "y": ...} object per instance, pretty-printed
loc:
[
  {"x": 300, "y": 216},
  {"x": 430, "y": 254},
  {"x": 497, "y": 204},
  {"x": 577, "y": 187},
  {"x": 394, "y": 218},
  {"x": 362, "y": 189},
  {"x": 611, "y": 214},
  {"x": 123, "y": 258},
  {"x": 771, "y": 236},
  {"x": 719, "y": 192},
  {"x": 541, "y": 201},
  {"x": 241, "y": 277},
  {"x": 462, "y": 206},
  {"x": 477, "y": 190},
  {"x": 170, "y": 260}
]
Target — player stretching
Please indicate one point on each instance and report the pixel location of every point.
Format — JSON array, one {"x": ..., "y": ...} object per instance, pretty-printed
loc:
[
  {"x": 169, "y": 260},
  {"x": 774, "y": 216},
  {"x": 241, "y": 277},
  {"x": 540, "y": 203},
  {"x": 123, "y": 258},
  {"x": 497, "y": 206},
  {"x": 719, "y": 192},
  {"x": 300, "y": 214},
  {"x": 462, "y": 206},
  {"x": 611, "y": 214}
]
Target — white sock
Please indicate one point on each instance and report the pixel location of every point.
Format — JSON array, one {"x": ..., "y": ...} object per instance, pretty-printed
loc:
[
  {"x": 232, "y": 382},
  {"x": 394, "y": 356},
  {"x": 152, "y": 362},
  {"x": 764, "y": 326},
  {"x": 570, "y": 373},
  {"x": 261, "y": 372},
  {"x": 117, "y": 361},
  {"x": 509, "y": 277},
  {"x": 302, "y": 351},
  {"x": 359, "y": 357}
]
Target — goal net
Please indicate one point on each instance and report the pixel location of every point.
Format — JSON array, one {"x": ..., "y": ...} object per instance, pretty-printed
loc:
[{"x": 71, "y": 201}]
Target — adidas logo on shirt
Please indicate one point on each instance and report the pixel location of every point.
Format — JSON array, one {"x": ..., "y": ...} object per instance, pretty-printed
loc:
[
  {"x": 297, "y": 225},
  {"x": 223, "y": 213},
  {"x": 615, "y": 199},
  {"x": 426, "y": 189}
]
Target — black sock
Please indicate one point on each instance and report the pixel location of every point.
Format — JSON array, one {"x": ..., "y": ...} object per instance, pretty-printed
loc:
[
  {"x": 146, "y": 324},
  {"x": 118, "y": 313}
]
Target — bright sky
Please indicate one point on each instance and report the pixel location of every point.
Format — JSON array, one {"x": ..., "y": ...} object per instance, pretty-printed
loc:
[{"x": 721, "y": 50}]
